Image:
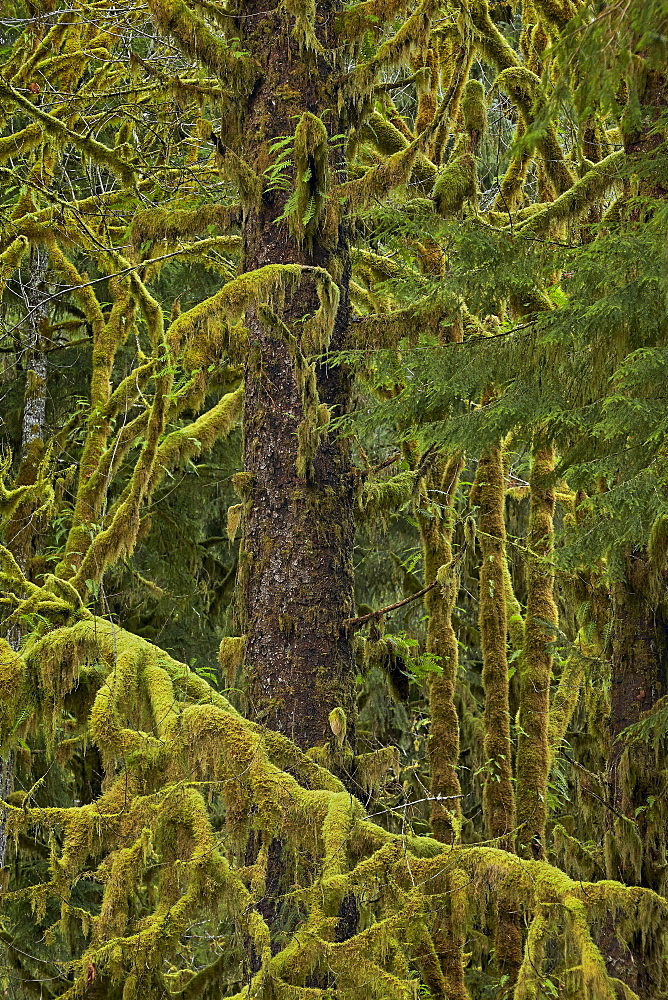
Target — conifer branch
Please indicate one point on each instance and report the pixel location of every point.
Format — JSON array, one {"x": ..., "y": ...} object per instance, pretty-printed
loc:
[{"x": 356, "y": 622}]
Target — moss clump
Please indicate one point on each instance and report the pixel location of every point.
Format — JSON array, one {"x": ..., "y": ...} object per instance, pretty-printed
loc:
[
  {"x": 455, "y": 185},
  {"x": 11, "y": 258},
  {"x": 12, "y": 675},
  {"x": 474, "y": 108},
  {"x": 231, "y": 656}
]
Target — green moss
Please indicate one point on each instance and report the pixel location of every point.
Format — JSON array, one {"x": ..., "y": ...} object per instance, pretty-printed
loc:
[
  {"x": 11, "y": 258},
  {"x": 456, "y": 185},
  {"x": 312, "y": 177},
  {"x": 474, "y": 108},
  {"x": 12, "y": 676},
  {"x": 199, "y": 42},
  {"x": 234, "y": 514}
]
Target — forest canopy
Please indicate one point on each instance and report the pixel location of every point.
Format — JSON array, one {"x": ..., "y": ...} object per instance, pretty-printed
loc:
[{"x": 333, "y": 500}]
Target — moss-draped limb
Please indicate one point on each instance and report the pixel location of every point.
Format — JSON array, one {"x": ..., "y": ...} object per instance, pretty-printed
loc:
[
  {"x": 119, "y": 537},
  {"x": 86, "y": 145},
  {"x": 524, "y": 89},
  {"x": 541, "y": 621},
  {"x": 107, "y": 338},
  {"x": 354, "y": 21},
  {"x": 567, "y": 694},
  {"x": 10, "y": 260},
  {"x": 412, "y": 34},
  {"x": 490, "y": 39},
  {"x": 200, "y": 42},
  {"x": 578, "y": 198},
  {"x": 166, "y": 737}
]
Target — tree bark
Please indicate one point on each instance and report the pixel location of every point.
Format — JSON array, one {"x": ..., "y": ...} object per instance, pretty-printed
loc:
[{"x": 296, "y": 564}]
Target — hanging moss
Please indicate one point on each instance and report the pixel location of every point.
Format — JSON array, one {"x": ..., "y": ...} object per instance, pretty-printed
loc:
[
  {"x": 381, "y": 498},
  {"x": 11, "y": 691},
  {"x": 312, "y": 176},
  {"x": 97, "y": 151},
  {"x": 234, "y": 514},
  {"x": 267, "y": 285},
  {"x": 488, "y": 494},
  {"x": 578, "y": 198},
  {"x": 524, "y": 89},
  {"x": 156, "y": 225},
  {"x": 488, "y": 36},
  {"x": 198, "y": 41},
  {"x": 11, "y": 259},
  {"x": 230, "y": 656}
]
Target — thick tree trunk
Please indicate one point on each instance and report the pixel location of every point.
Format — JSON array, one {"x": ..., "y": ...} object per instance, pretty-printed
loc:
[
  {"x": 636, "y": 847},
  {"x": 296, "y": 565},
  {"x": 22, "y": 529}
]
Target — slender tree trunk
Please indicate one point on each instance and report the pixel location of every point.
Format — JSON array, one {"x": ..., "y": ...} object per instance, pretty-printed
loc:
[
  {"x": 436, "y": 532},
  {"x": 296, "y": 564},
  {"x": 533, "y": 757},
  {"x": 498, "y": 793}
]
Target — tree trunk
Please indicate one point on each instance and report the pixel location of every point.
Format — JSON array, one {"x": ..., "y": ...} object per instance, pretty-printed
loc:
[
  {"x": 498, "y": 793},
  {"x": 533, "y": 760},
  {"x": 296, "y": 564},
  {"x": 436, "y": 532},
  {"x": 22, "y": 529}
]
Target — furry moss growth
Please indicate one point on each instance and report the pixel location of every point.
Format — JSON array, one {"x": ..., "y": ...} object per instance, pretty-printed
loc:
[
  {"x": 199, "y": 42},
  {"x": 231, "y": 656},
  {"x": 491, "y": 41},
  {"x": 474, "y": 108},
  {"x": 234, "y": 514},
  {"x": 12, "y": 676},
  {"x": 163, "y": 735},
  {"x": 524, "y": 89},
  {"x": 156, "y": 225},
  {"x": 436, "y": 536},
  {"x": 381, "y": 498},
  {"x": 11, "y": 259},
  {"x": 267, "y": 285},
  {"x": 455, "y": 185},
  {"x": 312, "y": 176},
  {"x": 579, "y": 197}
]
